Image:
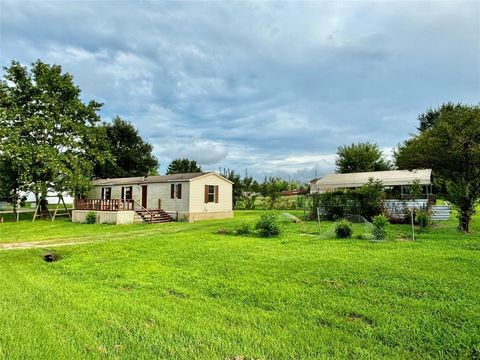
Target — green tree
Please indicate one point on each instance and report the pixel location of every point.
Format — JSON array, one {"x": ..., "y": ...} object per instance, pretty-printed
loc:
[
  {"x": 249, "y": 184},
  {"x": 272, "y": 187},
  {"x": 237, "y": 189},
  {"x": 181, "y": 166},
  {"x": 9, "y": 184},
  {"x": 371, "y": 197},
  {"x": 361, "y": 157},
  {"x": 429, "y": 118},
  {"x": 450, "y": 146},
  {"x": 132, "y": 156},
  {"x": 46, "y": 130}
]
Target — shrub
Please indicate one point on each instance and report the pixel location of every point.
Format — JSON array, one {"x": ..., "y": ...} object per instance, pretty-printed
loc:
[
  {"x": 91, "y": 218},
  {"x": 380, "y": 226},
  {"x": 222, "y": 231},
  {"x": 268, "y": 226},
  {"x": 243, "y": 229},
  {"x": 343, "y": 229},
  {"x": 423, "y": 219},
  {"x": 366, "y": 201}
]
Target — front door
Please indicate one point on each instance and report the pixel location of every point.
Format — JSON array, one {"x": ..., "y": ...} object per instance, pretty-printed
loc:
[{"x": 144, "y": 196}]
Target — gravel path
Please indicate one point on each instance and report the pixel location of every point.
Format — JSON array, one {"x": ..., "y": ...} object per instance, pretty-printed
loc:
[{"x": 39, "y": 244}]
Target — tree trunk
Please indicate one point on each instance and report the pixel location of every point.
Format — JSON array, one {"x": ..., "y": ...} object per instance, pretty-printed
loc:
[
  {"x": 14, "y": 206},
  {"x": 465, "y": 216}
]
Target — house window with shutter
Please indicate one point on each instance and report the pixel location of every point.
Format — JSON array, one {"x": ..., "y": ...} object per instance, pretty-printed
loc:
[
  {"x": 127, "y": 192},
  {"x": 106, "y": 193},
  {"x": 175, "y": 191},
  {"x": 211, "y": 193}
]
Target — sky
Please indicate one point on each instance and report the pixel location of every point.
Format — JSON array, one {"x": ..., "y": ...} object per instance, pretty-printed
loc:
[{"x": 272, "y": 88}]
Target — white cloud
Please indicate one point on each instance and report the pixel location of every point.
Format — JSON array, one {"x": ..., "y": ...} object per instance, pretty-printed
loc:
[{"x": 274, "y": 87}]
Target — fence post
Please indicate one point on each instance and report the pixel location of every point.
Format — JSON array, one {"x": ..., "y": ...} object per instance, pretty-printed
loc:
[{"x": 318, "y": 221}]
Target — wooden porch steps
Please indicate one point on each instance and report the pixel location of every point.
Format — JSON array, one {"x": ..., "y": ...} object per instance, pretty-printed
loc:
[{"x": 154, "y": 216}]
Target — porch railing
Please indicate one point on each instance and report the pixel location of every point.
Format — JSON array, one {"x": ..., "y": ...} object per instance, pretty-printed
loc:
[{"x": 104, "y": 205}]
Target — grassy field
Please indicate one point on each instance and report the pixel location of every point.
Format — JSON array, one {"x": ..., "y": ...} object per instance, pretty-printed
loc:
[{"x": 180, "y": 291}]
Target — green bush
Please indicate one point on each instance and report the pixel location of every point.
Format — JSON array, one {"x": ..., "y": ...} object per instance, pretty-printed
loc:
[
  {"x": 423, "y": 219},
  {"x": 243, "y": 229},
  {"x": 380, "y": 227},
  {"x": 366, "y": 201},
  {"x": 91, "y": 218},
  {"x": 268, "y": 226},
  {"x": 343, "y": 229}
]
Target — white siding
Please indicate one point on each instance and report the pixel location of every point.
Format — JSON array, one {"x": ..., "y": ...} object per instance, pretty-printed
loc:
[
  {"x": 197, "y": 195},
  {"x": 155, "y": 191},
  {"x": 162, "y": 191}
]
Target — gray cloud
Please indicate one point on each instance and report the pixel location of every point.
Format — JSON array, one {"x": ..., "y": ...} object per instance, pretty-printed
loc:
[{"x": 273, "y": 87}]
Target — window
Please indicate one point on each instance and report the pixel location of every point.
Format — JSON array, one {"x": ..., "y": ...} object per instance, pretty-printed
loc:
[
  {"x": 175, "y": 191},
  {"x": 126, "y": 192},
  {"x": 106, "y": 193},
  {"x": 211, "y": 193},
  {"x": 179, "y": 191}
]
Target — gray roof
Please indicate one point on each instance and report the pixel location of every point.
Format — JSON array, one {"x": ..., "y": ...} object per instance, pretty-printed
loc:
[{"x": 149, "y": 179}]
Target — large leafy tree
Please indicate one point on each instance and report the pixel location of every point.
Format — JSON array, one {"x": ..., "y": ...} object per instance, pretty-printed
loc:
[
  {"x": 180, "y": 166},
  {"x": 361, "y": 157},
  {"x": 47, "y": 132},
  {"x": 449, "y": 143},
  {"x": 132, "y": 156}
]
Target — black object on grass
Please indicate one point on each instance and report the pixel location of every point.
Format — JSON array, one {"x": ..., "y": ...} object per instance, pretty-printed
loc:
[{"x": 50, "y": 257}]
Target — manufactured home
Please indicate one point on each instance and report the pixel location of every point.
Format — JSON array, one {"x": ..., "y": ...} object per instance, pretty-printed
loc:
[{"x": 182, "y": 197}]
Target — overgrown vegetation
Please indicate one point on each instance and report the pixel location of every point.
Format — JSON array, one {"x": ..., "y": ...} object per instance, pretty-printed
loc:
[
  {"x": 243, "y": 229},
  {"x": 268, "y": 225},
  {"x": 423, "y": 219},
  {"x": 365, "y": 201},
  {"x": 380, "y": 227},
  {"x": 90, "y": 218},
  {"x": 343, "y": 229},
  {"x": 449, "y": 143}
]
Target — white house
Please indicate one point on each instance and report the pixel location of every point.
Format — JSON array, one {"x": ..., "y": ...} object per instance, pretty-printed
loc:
[{"x": 183, "y": 197}]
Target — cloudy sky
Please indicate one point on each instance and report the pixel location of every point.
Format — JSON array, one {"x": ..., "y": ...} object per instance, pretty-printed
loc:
[{"x": 274, "y": 87}]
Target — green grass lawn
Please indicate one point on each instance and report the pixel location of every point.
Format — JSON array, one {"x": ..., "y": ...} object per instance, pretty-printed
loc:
[{"x": 180, "y": 291}]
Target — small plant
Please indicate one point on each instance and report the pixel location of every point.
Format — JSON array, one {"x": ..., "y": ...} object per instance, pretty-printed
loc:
[
  {"x": 380, "y": 227},
  {"x": 221, "y": 231},
  {"x": 423, "y": 219},
  {"x": 343, "y": 229},
  {"x": 243, "y": 229},
  {"x": 360, "y": 237},
  {"x": 268, "y": 226},
  {"x": 91, "y": 218}
]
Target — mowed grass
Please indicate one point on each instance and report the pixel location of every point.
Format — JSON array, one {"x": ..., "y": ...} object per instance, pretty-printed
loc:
[{"x": 180, "y": 291}]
